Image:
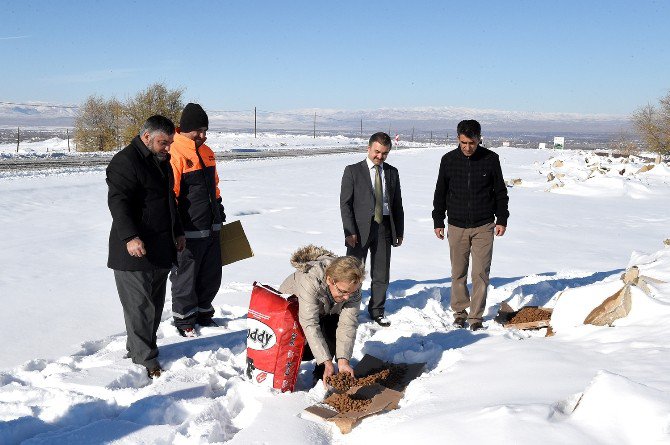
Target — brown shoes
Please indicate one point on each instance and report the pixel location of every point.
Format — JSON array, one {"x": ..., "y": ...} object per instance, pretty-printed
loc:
[
  {"x": 477, "y": 325},
  {"x": 459, "y": 322}
]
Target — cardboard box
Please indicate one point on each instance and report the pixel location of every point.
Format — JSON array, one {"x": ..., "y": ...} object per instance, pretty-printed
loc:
[
  {"x": 234, "y": 243},
  {"x": 382, "y": 399},
  {"x": 506, "y": 313}
]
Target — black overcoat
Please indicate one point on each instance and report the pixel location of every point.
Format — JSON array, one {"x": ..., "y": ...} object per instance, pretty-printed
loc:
[{"x": 142, "y": 202}]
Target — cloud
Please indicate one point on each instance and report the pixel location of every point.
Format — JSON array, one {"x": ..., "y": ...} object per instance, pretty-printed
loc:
[{"x": 13, "y": 37}]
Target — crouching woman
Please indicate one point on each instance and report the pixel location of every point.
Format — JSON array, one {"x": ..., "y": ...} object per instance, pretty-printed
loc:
[{"x": 329, "y": 295}]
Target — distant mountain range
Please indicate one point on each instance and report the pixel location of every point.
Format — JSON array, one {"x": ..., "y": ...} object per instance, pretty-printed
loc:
[
  {"x": 36, "y": 115},
  {"x": 422, "y": 119}
]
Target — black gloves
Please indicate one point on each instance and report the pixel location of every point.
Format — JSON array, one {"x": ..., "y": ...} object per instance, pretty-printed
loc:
[{"x": 223, "y": 213}]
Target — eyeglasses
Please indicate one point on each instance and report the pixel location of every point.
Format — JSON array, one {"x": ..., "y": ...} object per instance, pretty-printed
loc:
[{"x": 342, "y": 292}]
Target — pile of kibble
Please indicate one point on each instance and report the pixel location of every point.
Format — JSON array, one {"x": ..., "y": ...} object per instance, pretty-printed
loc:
[
  {"x": 390, "y": 377},
  {"x": 345, "y": 403},
  {"x": 530, "y": 314},
  {"x": 341, "y": 381}
]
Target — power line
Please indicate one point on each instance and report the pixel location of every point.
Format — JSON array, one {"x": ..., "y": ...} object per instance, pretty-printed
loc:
[{"x": 279, "y": 113}]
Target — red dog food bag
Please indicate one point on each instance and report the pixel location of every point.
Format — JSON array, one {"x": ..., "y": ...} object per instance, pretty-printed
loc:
[{"x": 274, "y": 339}]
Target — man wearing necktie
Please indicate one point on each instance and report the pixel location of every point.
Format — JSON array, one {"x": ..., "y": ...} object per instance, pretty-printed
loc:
[{"x": 373, "y": 217}]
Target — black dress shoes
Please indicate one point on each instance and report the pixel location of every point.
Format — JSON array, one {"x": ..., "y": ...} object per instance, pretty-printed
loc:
[{"x": 382, "y": 321}]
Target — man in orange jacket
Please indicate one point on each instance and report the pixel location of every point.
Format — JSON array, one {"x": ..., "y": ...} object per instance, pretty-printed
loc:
[{"x": 197, "y": 276}]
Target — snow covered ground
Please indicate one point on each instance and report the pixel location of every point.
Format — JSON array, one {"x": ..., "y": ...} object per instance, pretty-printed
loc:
[{"x": 64, "y": 380}]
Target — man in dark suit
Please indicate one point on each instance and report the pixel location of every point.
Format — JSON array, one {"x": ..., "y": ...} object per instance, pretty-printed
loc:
[
  {"x": 373, "y": 217},
  {"x": 146, "y": 234}
]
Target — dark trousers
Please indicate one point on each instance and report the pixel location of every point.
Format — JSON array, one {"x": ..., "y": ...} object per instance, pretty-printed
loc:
[
  {"x": 328, "y": 324},
  {"x": 196, "y": 280},
  {"x": 142, "y": 296},
  {"x": 379, "y": 245}
]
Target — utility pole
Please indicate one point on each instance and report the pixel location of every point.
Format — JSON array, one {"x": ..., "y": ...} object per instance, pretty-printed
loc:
[
  {"x": 254, "y": 122},
  {"x": 67, "y": 133},
  {"x": 412, "y": 134},
  {"x": 431, "y": 138},
  {"x": 18, "y": 138}
]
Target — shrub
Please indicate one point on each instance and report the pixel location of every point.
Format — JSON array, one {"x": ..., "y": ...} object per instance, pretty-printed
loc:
[
  {"x": 156, "y": 99},
  {"x": 109, "y": 125},
  {"x": 96, "y": 127}
]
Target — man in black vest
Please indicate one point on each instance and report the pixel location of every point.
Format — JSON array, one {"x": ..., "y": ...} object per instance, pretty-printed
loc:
[
  {"x": 373, "y": 217},
  {"x": 146, "y": 234}
]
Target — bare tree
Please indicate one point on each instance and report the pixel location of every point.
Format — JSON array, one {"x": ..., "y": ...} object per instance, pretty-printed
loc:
[
  {"x": 109, "y": 124},
  {"x": 653, "y": 125},
  {"x": 156, "y": 99},
  {"x": 625, "y": 145},
  {"x": 94, "y": 126},
  {"x": 116, "y": 111}
]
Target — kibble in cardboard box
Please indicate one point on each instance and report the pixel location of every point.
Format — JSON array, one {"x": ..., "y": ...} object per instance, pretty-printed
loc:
[{"x": 377, "y": 398}]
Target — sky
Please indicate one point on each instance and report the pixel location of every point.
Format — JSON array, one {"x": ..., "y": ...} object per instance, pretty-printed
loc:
[{"x": 587, "y": 57}]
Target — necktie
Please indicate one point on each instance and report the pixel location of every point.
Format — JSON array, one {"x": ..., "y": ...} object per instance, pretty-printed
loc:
[{"x": 378, "y": 196}]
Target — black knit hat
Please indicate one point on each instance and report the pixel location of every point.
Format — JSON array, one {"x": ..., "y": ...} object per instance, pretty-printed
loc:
[{"x": 192, "y": 118}]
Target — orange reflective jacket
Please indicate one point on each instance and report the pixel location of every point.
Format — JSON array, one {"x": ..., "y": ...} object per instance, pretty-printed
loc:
[{"x": 196, "y": 184}]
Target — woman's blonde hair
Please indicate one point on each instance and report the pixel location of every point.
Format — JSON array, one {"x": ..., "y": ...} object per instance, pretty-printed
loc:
[{"x": 346, "y": 269}]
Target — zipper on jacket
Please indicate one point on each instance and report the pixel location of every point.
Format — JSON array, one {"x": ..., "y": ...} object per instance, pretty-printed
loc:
[
  {"x": 469, "y": 222},
  {"x": 208, "y": 184}
]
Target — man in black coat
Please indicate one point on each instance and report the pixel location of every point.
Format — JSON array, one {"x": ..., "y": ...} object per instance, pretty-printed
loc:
[
  {"x": 373, "y": 217},
  {"x": 145, "y": 236},
  {"x": 471, "y": 190}
]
